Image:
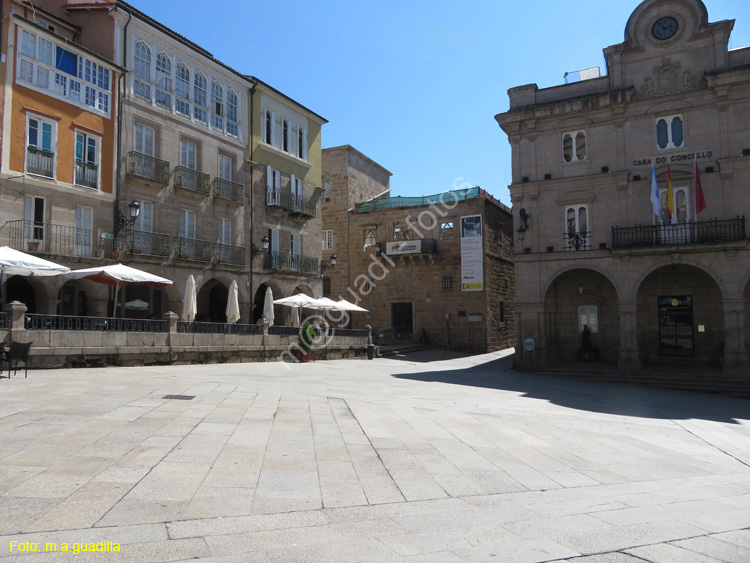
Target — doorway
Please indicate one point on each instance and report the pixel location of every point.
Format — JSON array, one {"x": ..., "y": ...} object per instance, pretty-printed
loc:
[
  {"x": 676, "y": 326},
  {"x": 402, "y": 321}
]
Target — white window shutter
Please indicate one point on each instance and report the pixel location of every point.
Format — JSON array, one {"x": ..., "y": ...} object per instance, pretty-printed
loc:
[
  {"x": 292, "y": 185},
  {"x": 304, "y": 144},
  {"x": 269, "y": 177},
  {"x": 263, "y": 125},
  {"x": 277, "y": 179}
]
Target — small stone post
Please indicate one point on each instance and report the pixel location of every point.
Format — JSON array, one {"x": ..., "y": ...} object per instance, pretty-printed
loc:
[
  {"x": 17, "y": 312},
  {"x": 370, "y": 346}
]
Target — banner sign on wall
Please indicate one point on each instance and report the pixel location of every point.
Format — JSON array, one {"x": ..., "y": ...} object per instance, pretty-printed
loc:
[
  {"x": 472, "y": 254},
  {"x": 404, "y": 247}
]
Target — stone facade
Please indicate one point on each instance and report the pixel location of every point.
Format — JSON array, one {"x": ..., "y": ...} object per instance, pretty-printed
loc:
[
  {"x": 408, "y": 295},
  {"x": 662, "y": 281}
]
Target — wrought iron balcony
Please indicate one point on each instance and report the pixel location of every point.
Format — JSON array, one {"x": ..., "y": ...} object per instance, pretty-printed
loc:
[
  {"x": 577, "y": 240},
  {"x": 193, "y": 249},
  {"x": 286, "y": 261},
  {"x": 192, "y": 180},
  {"x": 227, "y": 254},
  {"x": 40, "y": 161},
  {"x": 147, "y": 167},
  {"x": 144, "y": 243},
  {"x": 291, "y": 202},
  {"x": 60, "y": 240},
  {"x": 698, "y": 232},
  {"x": 86, "y": 174},
  {"x": 229, "y": 191}
]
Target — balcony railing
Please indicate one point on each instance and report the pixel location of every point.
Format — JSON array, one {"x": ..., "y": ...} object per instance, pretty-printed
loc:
[
  {"x": 87, "y": 174},
  {"x": 147, "y": 244},
  {"x": 147, "y": 167},
  {"x": 192, "y": 180},
  {"x": 229, "y": 191},
  {"x": 291, "y": 202},
  {"x": 286, "y": 261},
  {"x": 61, "y": 240},
  {"x": 40, "y": 161},
  {"x": 227, "y": 254},
  {"x": 63, "y": 322},
  {"x": 578, "y": 240},
  {"x": 217, "y": 328},
  {"x": 193, "y": 249},
  {"x": 698, "y": 232}
]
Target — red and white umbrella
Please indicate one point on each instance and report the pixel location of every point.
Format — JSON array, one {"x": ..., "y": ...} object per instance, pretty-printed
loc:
[{"x": 117, "y": 275}]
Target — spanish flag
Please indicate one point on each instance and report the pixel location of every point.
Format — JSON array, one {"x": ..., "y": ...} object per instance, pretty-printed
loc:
[
  {"x": 700, "y": 199},
  {"x": 670, "y": 194}
]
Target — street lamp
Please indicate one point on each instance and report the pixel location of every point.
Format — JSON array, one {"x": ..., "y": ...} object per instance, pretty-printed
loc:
[
  {"x": 331, "y": 266},
  {"x": 258, "y": 251},
  {"x": 122, "y": 221},
  {"x": 524, "y": 224}
]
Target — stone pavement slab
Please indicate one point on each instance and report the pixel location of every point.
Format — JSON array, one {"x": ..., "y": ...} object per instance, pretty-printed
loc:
[{"x": 427, "y": 457}]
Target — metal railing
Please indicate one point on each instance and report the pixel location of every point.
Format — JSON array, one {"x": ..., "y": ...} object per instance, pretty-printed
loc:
[
  {"x": 64, "y": 322},
  {"x": 62, "y": 240},
  {"x": 147, "y": 244},
  {"x": 192, "y": 180},
  {"x": 291, "y": 262},
  {"x": 217, "y": 328},
  {"x": 193, "y": 249},
  {"x": 348, "y": 332},
  {"x": 228, "y": 254},
  {"x": 147, "y": 167},
  {"x": 578, "y": 240},
  {"x": 40, "y": 162},
  {"x": 229, "y": 191},
  {"x": 283, "y": 330},
  {"x": 291, "y": 202},
  {"x": 698, "y": 232},
  {"x": 87, "y": 174}
]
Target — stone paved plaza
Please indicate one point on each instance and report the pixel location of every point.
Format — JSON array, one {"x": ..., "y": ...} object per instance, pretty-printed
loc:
[{"x": 429, "y": 457}]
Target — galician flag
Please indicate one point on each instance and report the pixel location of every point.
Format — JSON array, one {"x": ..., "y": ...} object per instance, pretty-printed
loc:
[
  {"x": 670, "y": 194},
  {"x": 655, "y": 199},
  {"x": 700, "y": 199}
]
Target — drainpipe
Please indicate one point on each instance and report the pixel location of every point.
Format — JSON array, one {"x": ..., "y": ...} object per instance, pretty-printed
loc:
[
  {"x": 120, "y": 97},
  {"x": 252, "y": 206}
]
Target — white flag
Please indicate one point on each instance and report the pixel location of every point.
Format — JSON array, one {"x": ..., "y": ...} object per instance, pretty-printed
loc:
[{"x": 655, "y": 199}]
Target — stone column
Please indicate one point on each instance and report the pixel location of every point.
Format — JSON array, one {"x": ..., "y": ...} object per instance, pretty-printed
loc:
[
  {"x": 171, "y": 319},
  {"x": 530, "y": 324},
  {"x": 735, "y": 347},
  {"x": 370, "y": 346},
  {"x": 629, "y": 358},
  {"x": 17, "y": 313}
]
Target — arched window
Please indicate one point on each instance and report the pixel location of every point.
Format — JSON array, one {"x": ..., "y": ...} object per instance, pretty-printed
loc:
[
  {"x": 182, "y": 90},
  {"x": 142, "y": 70},
  {"x": 163, "y": 80},
  {"x": 574, "y": 146},
  {"x": 577, "y": 235},
  {"x": 217, "y": 106},
  {"x": 200, "y": 93},
  {"x": 669, "y": 132},
  {"x": 232, "y": 123}
]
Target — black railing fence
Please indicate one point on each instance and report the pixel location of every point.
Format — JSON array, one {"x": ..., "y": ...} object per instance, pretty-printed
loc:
[
  {"x": 64, "y": 322},
  {"x": 186, "y": 327},
  {"x": 698, "y": 232}
]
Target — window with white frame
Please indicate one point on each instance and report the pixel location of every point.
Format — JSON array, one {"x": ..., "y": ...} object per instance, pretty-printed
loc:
[
  {"x": 225, "y": 231},
  {"x": 574, "y": 146},
  {"x": 369, "y": 237},
  {"x": 285, "y": 132},
  {"x": 233, "y": 126},
  {"x": 446, "y": 230},
  {"x": 273, "y": 186},
  {"x": 680, "y": 212},
  {"x": 182, "y": 90},
  {"x": 327, "y": 191},
  {"x": 163, "y": 80},
  {"x": 87, "y": 159},
  {"x": 144, "y": 139},
  {"x": 145, "y": 220},
  {"x": 84, "y": 230},
  {"x": 189, "y": 155},
  {"x": 400, "y": 233},
  {"x": 200, "y": 100},
  {"x": 217, "y": 106},
  {"x": 669, "y": 132},
  {"x": 41, "y": 141},
  {"x": 328, "y": 239},
  {"x": 302, "y": 143},
  {"x": 269, "y": 118},
  {"x": 577, "y": 234},
  {"x": 62, "y": 73},
  {"x": 588, "y": 316},
  {"x": 142, "y": 70},
  {"x": 187, "y": 234}
]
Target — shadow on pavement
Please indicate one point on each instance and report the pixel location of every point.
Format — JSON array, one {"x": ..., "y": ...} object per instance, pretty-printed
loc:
[
  {"x": 426, "y": 356},
  {"x": 594, "y": 396}
]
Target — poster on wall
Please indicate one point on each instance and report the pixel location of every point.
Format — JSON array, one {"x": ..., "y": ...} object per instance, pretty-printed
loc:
[{"x": 472, "y": 254}]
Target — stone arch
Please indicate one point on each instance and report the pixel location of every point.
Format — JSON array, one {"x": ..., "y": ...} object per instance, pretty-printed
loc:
[
  {"x": 680, "y": 314},
  {"x": 659, "y": 263},
  {"x": 211, "y": 301},
  {"x": 80, "y": 298},
  {"x": 280, "y": 312},
  {"x": 303, "y": 288},
  {"x": 695, "y": 10},
  {"x": 580, "y": 291},
  {"x": 27, "y": 290},
  {"x": 580, "y": 266}
]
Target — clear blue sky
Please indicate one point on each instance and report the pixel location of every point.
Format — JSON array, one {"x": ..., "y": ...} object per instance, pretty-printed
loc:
[{"x": 412, "y": 84}]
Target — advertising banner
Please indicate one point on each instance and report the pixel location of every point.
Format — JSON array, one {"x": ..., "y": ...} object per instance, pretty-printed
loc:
[
  {"x": 472, "y": 254},
  {"x": 404, "y": 247}
]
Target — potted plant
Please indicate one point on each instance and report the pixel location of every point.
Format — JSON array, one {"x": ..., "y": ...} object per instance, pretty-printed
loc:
[
  {"x": 114, "y": 254},
  {"x": 33, "y": 245},
  {"x": 306, "y": 343},
  {"x": 587, "y": 353}
]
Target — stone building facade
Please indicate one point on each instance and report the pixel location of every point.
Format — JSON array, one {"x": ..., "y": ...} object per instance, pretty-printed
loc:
[
  {"x": 408, "y": 260},
  {"x": 611, "y": 230}
]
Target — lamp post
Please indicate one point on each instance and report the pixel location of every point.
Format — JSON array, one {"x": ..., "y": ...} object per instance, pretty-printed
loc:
[
  {"x": 122, "y": 220},
  {"x": 260, "y": 251},
  {"x": 324, "y": 266}
]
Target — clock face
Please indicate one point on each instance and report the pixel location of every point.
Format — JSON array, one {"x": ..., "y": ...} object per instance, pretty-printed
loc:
[{"x": 664, "y": 28}]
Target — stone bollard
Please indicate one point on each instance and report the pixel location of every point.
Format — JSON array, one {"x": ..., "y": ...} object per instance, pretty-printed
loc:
[
  {"x": 370, "y": 346},
  {"x": 171, "y": 319},
  {"x": 266, "y": 323},
  {"x": 17, "y": 312}
]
